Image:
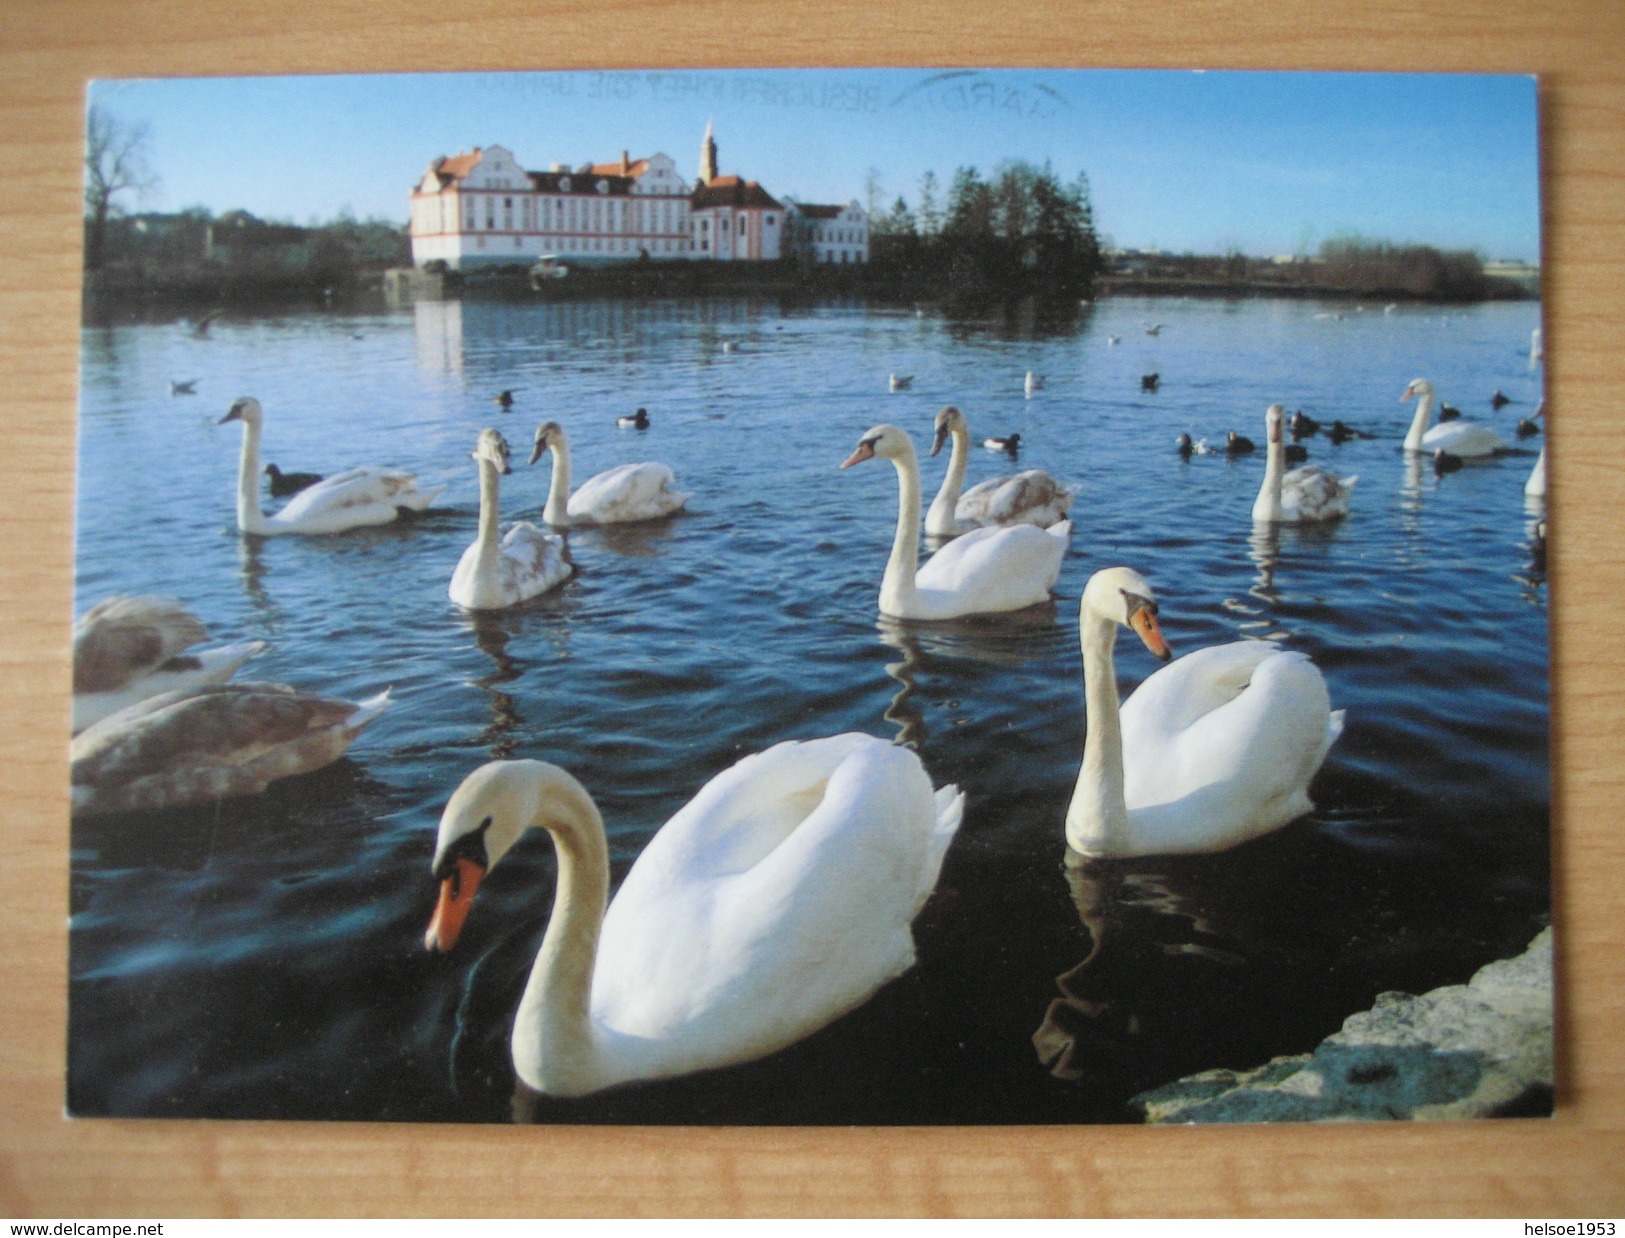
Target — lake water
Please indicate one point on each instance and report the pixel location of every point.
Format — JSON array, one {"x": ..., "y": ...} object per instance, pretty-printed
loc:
[{"x": 264, "y": 957}]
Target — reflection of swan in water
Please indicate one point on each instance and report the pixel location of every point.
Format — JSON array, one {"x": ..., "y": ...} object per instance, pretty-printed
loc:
[
  {"x": 642, "y": 539},
  {"x": 491, "y": 635},
  {"x": 1139, "y": 924},
  {"x": 1015, "y": 640},
  {"x": 252, "y": 570},
  {"x": 903, "y": 712},
  {"x": 1264, "y": 549}
]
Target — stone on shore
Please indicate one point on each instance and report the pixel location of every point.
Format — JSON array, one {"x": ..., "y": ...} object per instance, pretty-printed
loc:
[{"x": 1475, "y": 1050}]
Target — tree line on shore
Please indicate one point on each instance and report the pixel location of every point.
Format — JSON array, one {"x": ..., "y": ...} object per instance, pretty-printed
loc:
[{"x": 1021, "y": 231}]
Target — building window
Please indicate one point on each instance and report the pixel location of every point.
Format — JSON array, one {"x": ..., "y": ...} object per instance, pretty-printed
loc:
[
  {"x": 768, "y": 221},
  {"x": 518, "y": 243}
]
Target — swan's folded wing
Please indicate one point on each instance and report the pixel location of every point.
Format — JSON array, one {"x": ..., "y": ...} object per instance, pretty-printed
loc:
[
  {"x": 359, "y": 487},
  {"x": 1315, "y": 493},
  {"x": 628, "y": 492},
  {"x": 533, "y": 560},
  {"x": 1193, "y": 686},
  {"x": 974, "y": 504},
  {"x": 1015, "y": 564},
  {"x": 1030, "y": 497},
  {"x": 1259, "y": 743},
  {"x": 762, "y": 955},
  {"x": 123, "y": 638},
  {"x": 220, "y": 724}
]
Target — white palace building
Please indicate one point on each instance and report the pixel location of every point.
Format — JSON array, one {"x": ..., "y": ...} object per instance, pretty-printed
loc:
[{"x": 482, "y": 209}]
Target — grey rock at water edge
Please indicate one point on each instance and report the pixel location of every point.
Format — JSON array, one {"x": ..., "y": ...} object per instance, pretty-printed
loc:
[{"x": 1475, "y": 1050}]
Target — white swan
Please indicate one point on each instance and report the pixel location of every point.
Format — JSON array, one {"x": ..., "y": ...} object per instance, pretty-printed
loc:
[
  {"x": 986, "y": 571},
  {"x": 1032, "y": 383},
  {"x": 350, "y": 500},
  {"x": 1212, "y": 750},
  {"x": 1305, "y": 494},
  {"x": 1535, "y": 487},
  {"x": 1459, "y": 438},
  {"x": 620, "y": 495},
  {"x": 777, "y": 900},
  {"x": 1030, "y": 497},
  {"x": 496, "y": 572},
  {"x": 223, "y": 740},
  {"x": 126, "y": 649}
]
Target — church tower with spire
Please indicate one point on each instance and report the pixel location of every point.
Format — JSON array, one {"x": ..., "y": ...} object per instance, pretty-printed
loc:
[{"x": 708, "y": 157}]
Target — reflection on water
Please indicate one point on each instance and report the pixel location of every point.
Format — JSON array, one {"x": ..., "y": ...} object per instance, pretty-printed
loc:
[
  {"x": 682, "y": 646},
  {"x": 491, "y": 635},
  {"x": 903, "y": 712}
]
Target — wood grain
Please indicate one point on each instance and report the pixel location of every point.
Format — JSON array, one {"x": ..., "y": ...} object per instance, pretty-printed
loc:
[{"x": 1569, "y": 1166}]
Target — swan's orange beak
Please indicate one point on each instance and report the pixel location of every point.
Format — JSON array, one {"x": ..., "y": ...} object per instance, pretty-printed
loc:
[
  {"x": 456, "y": 897},
  {"x": 865, "y": 451},
  {"x": 1144, "y": 623}
]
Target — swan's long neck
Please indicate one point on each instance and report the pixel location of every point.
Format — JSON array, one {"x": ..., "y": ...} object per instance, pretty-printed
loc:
[
  {"x": 249, "y": 517},
  {"x": 1268, "y": 504},
  {"x": 1097, "y": 818},
  {"x": 558, "y": 492},
  {"x": 489, "y": 540},
  {"x": 553, "y": 1045},
  {"x": 897, "y": 590},
  {"x": 940, "y": 520},
  {"x": 1419, "y": 423}
]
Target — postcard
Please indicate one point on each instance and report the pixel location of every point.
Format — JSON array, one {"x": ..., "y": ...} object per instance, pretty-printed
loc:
[{"x": 812, "y": 597}]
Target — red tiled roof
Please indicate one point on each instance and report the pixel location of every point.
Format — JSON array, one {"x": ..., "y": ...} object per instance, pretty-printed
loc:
[
  {"x": 455, "y": 167},
  {"x": 635, "y": 167},
  {"x": 732, "y": 191}
]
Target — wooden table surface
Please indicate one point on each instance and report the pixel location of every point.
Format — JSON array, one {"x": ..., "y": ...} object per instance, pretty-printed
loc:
[{"x": 1572, "y": 1165}]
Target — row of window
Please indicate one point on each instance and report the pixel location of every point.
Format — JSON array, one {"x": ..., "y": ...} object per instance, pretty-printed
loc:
[
  {"x": 553, "y": 215},
  {"x": 605, "y": 245}
]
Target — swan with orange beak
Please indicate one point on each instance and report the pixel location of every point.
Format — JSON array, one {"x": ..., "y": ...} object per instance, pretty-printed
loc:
[
  {"x": 987, "y": 571},
  {"x": 1210, "y": 751}
]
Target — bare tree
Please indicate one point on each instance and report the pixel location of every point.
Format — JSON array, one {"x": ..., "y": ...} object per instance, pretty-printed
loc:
[
  {"x": 873, "y": 192},
  {"x": 115, "y": 163}
]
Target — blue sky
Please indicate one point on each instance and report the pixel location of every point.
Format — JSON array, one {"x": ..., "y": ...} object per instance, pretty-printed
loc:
[{"x": 1269, "y": 163}]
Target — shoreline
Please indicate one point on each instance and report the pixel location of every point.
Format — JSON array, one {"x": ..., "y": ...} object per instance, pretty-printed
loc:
[{"x": 101, "y": 299}]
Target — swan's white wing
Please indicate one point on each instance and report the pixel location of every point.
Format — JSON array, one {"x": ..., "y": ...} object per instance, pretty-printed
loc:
[
  {"x": 354, "y": 491},
  {"x": 777, "y": 900},
  {"x": 533, "y": 560},
  {"x": 1030, "y": 497},
  {"x": 994, "y": 569},
  {"x": 1311, "y": 493},
  {"x": 626, "y": 493},
  {"x": 1221, "y": 745},
  {"x": 1463, "y": 438}
]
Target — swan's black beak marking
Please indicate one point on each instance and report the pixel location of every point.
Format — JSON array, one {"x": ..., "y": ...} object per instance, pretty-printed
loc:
[{"x": 865, "y": 451}]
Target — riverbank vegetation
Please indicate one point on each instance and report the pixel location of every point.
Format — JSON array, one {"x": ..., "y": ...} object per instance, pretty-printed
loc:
[{"x": 1023, "y": 231}]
